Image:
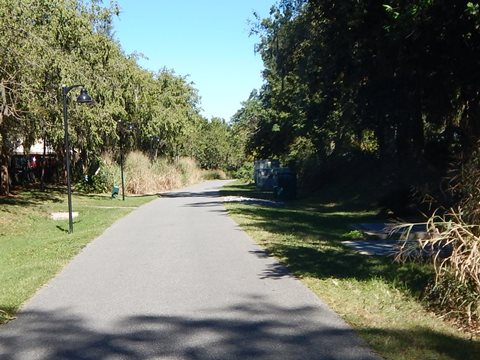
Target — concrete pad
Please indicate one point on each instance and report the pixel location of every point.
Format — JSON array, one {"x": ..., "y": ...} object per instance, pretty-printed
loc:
[{"x": 62, "y": 215}]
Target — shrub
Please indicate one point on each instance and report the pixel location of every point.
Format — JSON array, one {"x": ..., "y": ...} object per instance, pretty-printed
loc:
[
  {"x": 453, "y": 245},
  {"x": 102, "y": 181},
  {"x": 214, "y": 175},
  {"x": 456, "y": 257},
  {"x": 245, "y": 172}
]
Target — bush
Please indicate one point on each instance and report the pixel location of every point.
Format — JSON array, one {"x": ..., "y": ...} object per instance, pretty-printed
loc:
[
  {"x": 456, "y": 259},
  {"x": 453, "y": 245},
  {"x": 245, "y": 173},
  {"x": 102, "y": 181},
  {"x": 457, "y": 300},
  {"x": 214, "y": 175}
]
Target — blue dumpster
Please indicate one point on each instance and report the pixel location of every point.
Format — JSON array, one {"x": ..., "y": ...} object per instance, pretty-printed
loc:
[{"x": 285, "y": 184}]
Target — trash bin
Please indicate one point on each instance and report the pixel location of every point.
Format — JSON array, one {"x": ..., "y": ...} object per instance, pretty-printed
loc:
[
  {"x": 285, "y": 181},
  {"x": 115, "y": 191}
]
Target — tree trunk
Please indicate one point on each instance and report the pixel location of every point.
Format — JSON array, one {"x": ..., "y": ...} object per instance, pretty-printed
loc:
[
  {"x": 4, "y": 176},
  {"x": 4, "y": 164}
]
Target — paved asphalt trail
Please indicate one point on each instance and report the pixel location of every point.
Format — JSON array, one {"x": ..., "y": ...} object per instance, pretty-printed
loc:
[{"x": 177, "y": 279}]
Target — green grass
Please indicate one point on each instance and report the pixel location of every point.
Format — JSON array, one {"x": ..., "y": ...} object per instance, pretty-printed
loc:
[
  {"x": 33, "y": 247},
  {"x": 380, "y": 299}
]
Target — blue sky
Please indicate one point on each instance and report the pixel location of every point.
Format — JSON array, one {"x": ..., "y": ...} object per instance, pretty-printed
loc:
[{"x": 208, "y": 40}]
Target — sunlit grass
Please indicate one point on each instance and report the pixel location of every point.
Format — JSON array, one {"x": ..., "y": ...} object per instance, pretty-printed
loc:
[
  {"x": 33, "y": 247},
  {"x": 380, "y": 299}
]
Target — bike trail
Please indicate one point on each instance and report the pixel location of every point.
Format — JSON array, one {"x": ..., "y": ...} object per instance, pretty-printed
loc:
[{"x": 178, "y": 279}]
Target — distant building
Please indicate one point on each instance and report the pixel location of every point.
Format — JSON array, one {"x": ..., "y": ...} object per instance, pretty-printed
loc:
[
  {"x": 29, "y": 166},
  {"x": 36, "y": 149}
]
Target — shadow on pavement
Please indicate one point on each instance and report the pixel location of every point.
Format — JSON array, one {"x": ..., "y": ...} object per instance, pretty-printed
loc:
[
  {"x": 255, "y": 329},
  {"x": 184, "y": 194},
  {"x": 205, "y": 204}
]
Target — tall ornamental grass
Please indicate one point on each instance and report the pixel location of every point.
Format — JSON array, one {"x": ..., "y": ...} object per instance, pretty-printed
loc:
[
  {"x": 453, "y": 246},
  {"x": 144, "y": 176}
]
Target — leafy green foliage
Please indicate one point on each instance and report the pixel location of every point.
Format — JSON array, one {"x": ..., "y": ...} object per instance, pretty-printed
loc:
[
  {"x": 105, "y": 177},
  {"x": 46, "y": 44},
  {"x": 362, "y": 77},
  {"x": 216, "y": 147},
  {"x": 245, "y": 172}
]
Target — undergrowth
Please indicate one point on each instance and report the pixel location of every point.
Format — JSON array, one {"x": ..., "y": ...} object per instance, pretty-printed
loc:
[
  {"x": 453, "y": 247},
  {"x": 142, "y": 175}
]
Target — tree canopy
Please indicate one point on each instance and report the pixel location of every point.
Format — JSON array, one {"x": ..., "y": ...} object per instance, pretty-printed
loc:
[
  {"x": 395, "y": 80},
  {"x": 47, "y": 44}
]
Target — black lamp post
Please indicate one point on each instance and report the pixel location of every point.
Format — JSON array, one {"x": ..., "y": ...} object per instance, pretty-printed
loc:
[
  {"x": 121, "y": 160},
  {"x": 83, "y": 98}
]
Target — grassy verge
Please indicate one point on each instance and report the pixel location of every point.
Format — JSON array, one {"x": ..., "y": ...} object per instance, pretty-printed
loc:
[
  {"x": 380, "y": 299},
  {"x": 33, "y": 247}
]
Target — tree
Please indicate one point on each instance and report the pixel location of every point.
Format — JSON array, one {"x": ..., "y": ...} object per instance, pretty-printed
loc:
[
  {"x": 338, "y": 72},
  {"x": 46, "y": 44}
]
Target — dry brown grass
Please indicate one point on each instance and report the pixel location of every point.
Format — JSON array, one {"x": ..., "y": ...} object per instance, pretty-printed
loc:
[
  {"x": 453, "y": 246},
  {"x": 143, "y": 176}
]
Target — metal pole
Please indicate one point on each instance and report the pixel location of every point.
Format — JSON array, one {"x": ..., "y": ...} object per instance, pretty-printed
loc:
[
  {"x": 42, "y": 177},
  {"x": 83, "y": 98},
  {"x": 67, "y": 153},
  {"x": 121, "y": 162}
]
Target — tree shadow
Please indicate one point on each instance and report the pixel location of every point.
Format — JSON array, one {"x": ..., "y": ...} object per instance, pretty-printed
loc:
[
  {"x": 205, "y": 204},
  {"x": 317, "y": 250},
  {"x": 301, "y": 221},
  {"x": 15, "y": 200},
  {"x": 337, "y": 198},
  {"x": 62, "y": 229},
  {"x": 246, "y": 190},
  {"x": 108, "y": 197},
  {"x": 47, "y": 195},
  {"x": 421, "y": 338},
  {"x": 273, "y": 271},
  {"x": 31, "y": 198},
  {"x": 250, "y": 329},
  {"x": 94, "y": 196},
  {"x": 188, "y": 194}
]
